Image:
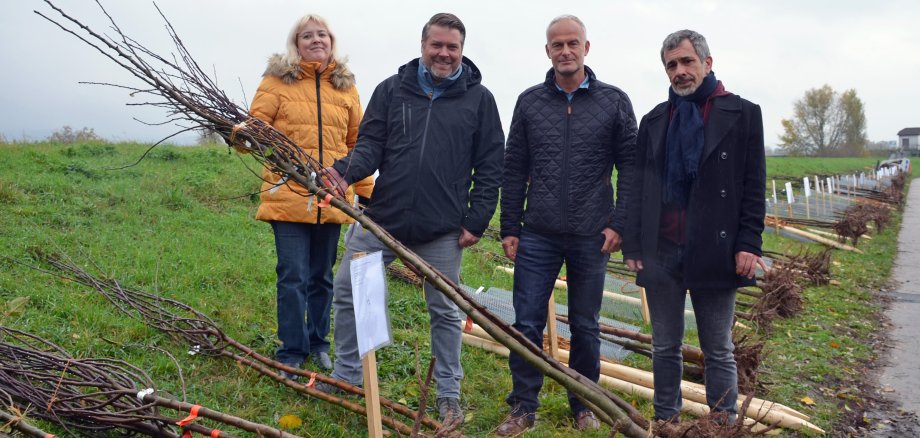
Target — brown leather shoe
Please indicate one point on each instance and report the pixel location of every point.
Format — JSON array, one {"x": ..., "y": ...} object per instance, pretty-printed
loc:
[
  {"x": 515, "y": 425},
  {"x": 585, "y": 420}
]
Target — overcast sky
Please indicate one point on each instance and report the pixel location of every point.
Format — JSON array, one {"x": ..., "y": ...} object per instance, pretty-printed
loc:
[{"x": 769, "y": 52}]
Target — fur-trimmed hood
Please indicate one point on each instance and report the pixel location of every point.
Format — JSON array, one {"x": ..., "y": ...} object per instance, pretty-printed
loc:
[{"x": 341, "y": 77}]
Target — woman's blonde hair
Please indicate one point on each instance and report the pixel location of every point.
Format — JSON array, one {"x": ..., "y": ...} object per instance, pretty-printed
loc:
[{"x": 293, "y": 55}]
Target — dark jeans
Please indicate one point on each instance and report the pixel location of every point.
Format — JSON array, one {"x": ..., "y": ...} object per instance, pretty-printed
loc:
[
  {"x": 714, "y": 310},
  {"x": 539, "y": 258},
  {"x": 306, "y": 253}
]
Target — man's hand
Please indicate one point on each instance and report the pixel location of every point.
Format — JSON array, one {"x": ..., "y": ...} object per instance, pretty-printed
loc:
[
  {"x": 612, "y": 241},
  {"x": 334, "y": 180},
  {"x": 467, "y": 238},
  {"x": 510, "y": 245},
  {"x": 634, "y": 265},
  {"x": 746, "y": 264}
]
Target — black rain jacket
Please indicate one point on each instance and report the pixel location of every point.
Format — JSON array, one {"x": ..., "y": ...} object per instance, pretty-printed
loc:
[{"x": 429, "y": 154}]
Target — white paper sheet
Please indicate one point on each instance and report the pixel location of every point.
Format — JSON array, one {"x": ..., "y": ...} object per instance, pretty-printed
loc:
[{"x": 369, "y": 290}]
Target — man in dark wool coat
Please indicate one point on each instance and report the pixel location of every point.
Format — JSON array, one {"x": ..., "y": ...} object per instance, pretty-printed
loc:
[{"x": 697, "y": 219}]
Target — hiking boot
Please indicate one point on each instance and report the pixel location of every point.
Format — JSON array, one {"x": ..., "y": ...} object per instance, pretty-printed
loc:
[
  {"x": 322, "y": 360},
  {"x": 450, "y": 414},
  {"x": 585, "y": 420},
  {"x": 291, "y": 376},
  {"x": 516, "y": 423}
]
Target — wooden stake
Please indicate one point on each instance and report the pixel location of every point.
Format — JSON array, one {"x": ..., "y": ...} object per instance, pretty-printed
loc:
[
  {"x": 613, "y": 296},
  {"x": 646, "y": 316},
  {"x": 762, "y": 410},
  {"x": 558, "y": 285},
  {"x": 551, "y": 327},
  {"x": 372, "y": 395},
  {"x": 371, "y": 386},
  {"x": 819, "y": 239}
]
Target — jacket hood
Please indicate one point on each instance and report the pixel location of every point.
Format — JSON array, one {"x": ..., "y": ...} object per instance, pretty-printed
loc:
[
  {"x": 551, "y": 77},
  {"x": 342, "y": 78},
  {"x": 471, "y": 75}
]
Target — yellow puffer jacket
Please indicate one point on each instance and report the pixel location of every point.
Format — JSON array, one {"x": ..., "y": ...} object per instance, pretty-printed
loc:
[{"x": 291, "y": 98}]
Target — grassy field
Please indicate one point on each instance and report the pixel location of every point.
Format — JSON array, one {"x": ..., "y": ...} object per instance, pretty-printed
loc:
[
  {"x": 795, "y": 168},
  {"x": 180, "y": 224}
]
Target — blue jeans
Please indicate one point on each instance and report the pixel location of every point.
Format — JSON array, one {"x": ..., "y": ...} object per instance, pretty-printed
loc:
[
  {"x": 444, "y": 254},
  {"x": 306, "y": 253},
  {"x": 539, "y": 258},
  {"x": 714, "y": 310}
]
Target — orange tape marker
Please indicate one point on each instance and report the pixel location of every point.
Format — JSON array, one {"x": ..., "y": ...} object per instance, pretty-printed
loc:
[
  {"x": 193, "y": 415},
  {"x": 325, "y": 202}
]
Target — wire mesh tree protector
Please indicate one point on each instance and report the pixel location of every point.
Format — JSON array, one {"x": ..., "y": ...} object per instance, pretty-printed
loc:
[{"x": 188, "y": 95}]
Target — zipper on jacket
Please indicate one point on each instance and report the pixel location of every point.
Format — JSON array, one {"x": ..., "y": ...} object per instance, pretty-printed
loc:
[
  {"x": 404, "y": 117},
  {"x": 421, "y": 152},
  {"x": 565, "y": 165},
  {"x": 319, "y": 124}
]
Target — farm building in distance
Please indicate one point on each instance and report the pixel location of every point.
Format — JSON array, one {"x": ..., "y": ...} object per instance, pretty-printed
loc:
[{"x": 909, "y": 140}]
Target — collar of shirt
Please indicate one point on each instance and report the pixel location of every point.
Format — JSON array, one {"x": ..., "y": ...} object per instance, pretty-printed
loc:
[
  {"x": 584, "y": 84},
  {"x": 426, "y": 81}
]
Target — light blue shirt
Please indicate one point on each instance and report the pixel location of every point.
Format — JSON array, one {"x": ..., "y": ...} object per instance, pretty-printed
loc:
[
  {"x": 584, "y": 84},
  {"x": 427, "y": 82}
]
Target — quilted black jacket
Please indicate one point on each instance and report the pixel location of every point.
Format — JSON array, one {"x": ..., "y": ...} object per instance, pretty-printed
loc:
[
  {"x": 429, "y": 154},
  {"x": 559, "y": 158}
]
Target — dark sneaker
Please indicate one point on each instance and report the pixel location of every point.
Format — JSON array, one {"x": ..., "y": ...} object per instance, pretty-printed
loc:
[
  {"x": 516, "y": 423},
  {"x": 585, "y": 420},
  {"x": 288, "y": 375},
  {"x": 450, "y": 414},
  {"x": 322, "y": 360}
]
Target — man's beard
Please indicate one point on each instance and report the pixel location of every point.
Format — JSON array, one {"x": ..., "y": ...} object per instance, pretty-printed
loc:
[{"x": 686, "y": 91}]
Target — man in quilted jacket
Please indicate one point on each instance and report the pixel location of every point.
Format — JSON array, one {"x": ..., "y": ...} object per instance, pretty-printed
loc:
[{"x": 567, "y": 134}]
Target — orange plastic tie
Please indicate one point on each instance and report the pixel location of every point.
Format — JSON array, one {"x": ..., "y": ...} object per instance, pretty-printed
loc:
[
  {"x": 193, "y": 415},
  {"x": 235, "y": 129},
  {"x": 325, "y": 202},
  {"x": 469, "y": 325},
  {"x": 187, "y": 434},
  {"x": 312, "y": 380},
  {"x": 215, "y": 433},
  {"x": 49, "y": 435}
]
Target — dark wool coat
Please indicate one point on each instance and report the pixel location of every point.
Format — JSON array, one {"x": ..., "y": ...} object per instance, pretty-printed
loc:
[
  {"x": 429, "y": 153},
  {"x": 560, "y": 156},
  {"x": 727, "y": 204}
]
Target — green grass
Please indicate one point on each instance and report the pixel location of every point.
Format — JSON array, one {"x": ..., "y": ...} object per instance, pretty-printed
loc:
[
  {"x": 180, "y": 224},
  {"x": 795, "y": 168}
]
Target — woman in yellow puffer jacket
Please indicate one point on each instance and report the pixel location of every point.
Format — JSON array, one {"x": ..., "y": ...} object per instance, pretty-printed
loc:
[{"x": 309, "y": 95}]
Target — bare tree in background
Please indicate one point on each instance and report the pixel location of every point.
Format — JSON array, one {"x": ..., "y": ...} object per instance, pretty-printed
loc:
[
  {"x": 208, "y": 136},
  {"x": 68, "y": 135},
  {"x": 825, "y": 123}
]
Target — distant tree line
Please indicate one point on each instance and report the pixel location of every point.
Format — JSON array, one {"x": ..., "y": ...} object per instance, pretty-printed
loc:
[
  {"x": 207, "y": 136},
  {"x": 68, "y": 135},
  {"x": 825, "y": 123}
]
